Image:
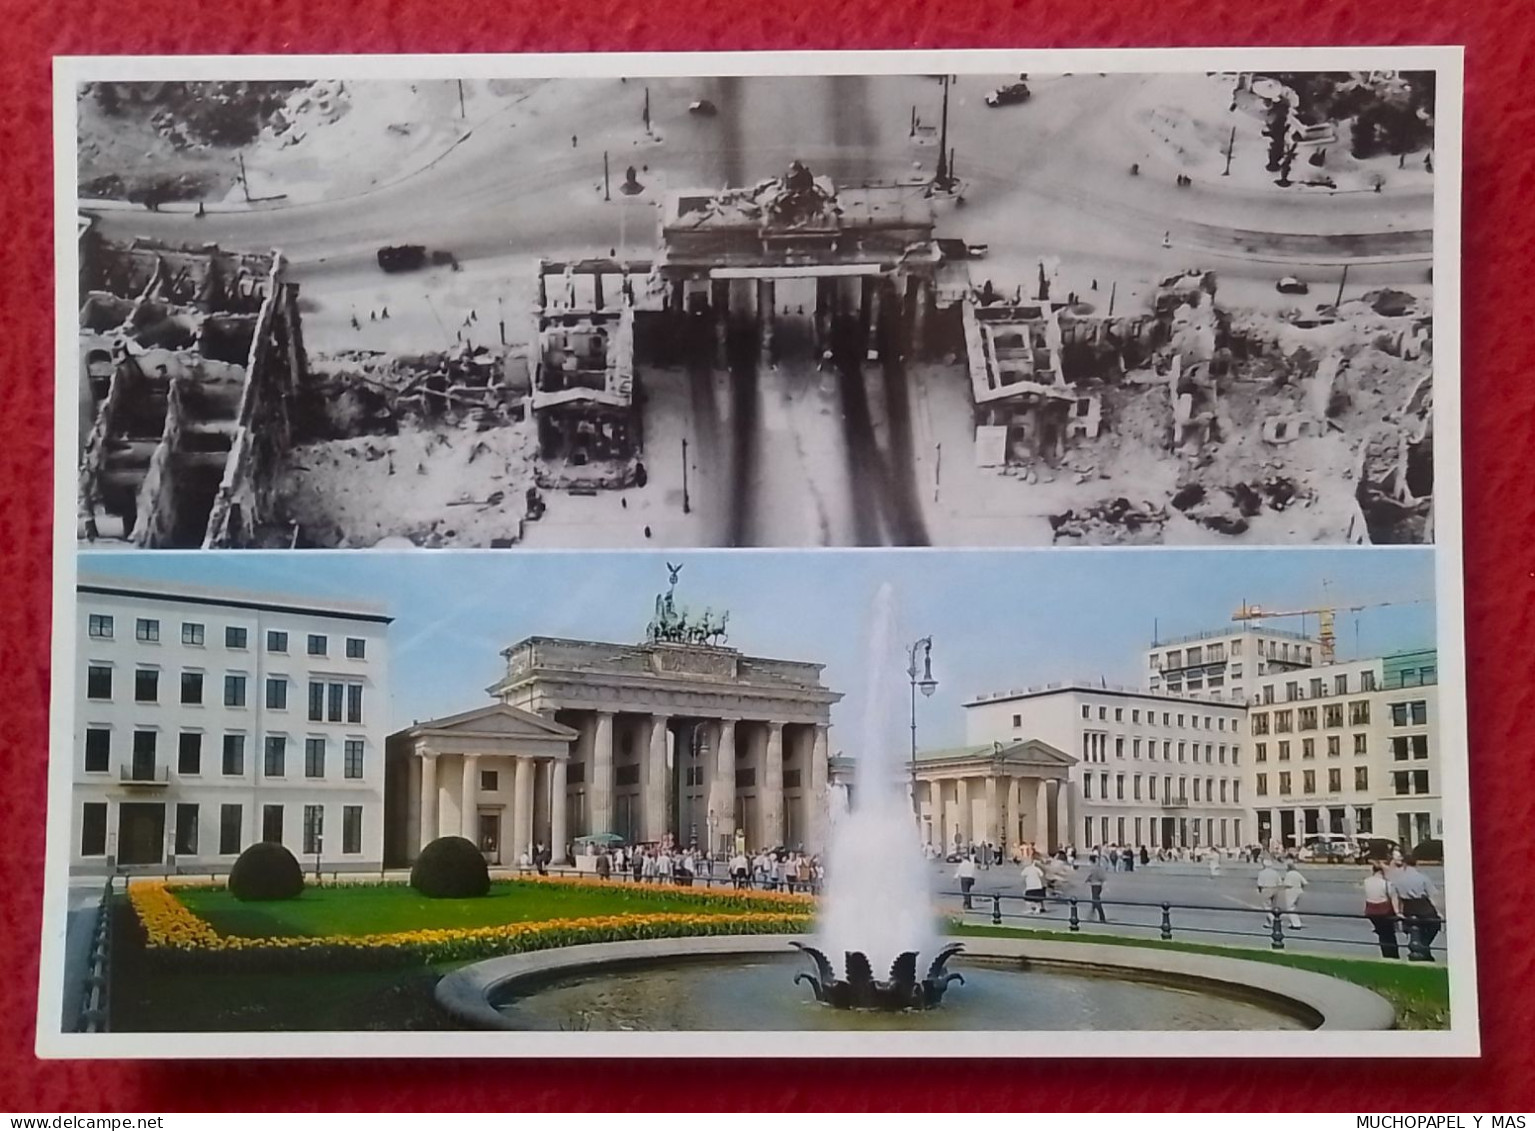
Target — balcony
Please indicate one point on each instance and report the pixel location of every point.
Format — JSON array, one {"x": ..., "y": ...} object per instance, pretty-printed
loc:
[
  {"x": 1175, "y": 802},
  {"x": 145, "y": 777}
]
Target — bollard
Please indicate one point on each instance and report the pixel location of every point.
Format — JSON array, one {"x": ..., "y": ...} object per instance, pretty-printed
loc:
[
  {"x": 1276, "y": 931},
  {"x": 1075, "y": 923},
  {"x": 1167, "y": 922},
  {"x": 996, "y": 910}
]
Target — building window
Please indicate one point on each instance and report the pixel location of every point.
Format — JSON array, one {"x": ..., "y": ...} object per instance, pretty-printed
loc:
[
  {"x": 234, "y": 755},
  {"x": 1102, "y": 714},
  {"x": 1196, "y": 789},
  {"x": 1268, "y": 692},
  {"x": 1361, "y": 744},
  {"x": 1261, "y": 723},
  {"x": 1119, "y": 787},
  {"x": 1261, "y": 752},
  {"x": 1087, "y": 712},
  {"x": 277, "y": 693},
  {"x": 317, "y": 644},
  {"x": 276, "y": 756},
  {"x": 316, "y": 701},
  {"x": 98, "y": 681},
  {"x": 271, "y": 823},
  {"x": 93, "y": 828},
  {"x": 1307, "y": 718},
  {"x": 98, "y": 750},
  {"x": 314, "y": 828},
  {"x": 186, "y": 830},
  {"x": 1135, "y": 748},
  {"x": 1017, "y": 721},
  {"x": 229, "y": 830},
  {"x": 1364, "y": 821},
  {"x": 1291, "y": 691},
  {"x": 1119, "y": 747},
  {"x": 1405, "y": 746},
  {"x": 1317, "y": 688},
  {"x": 1367, "y": 681},
  {"x": 1359, "y": 713},
  {"x": 1182, "y": 751},
  {"x": 351, "y": 763},
  {"x": 1151, "y": 787},
  {"x": 99, "y": 626},
  {"x": 234, "y": 690},
  {"x": 192, "y": 687},
  {"x": 189, "y": 752},
  {"x": 146, "y": 685},
  {"x": 1308, "y": 748},
  {"x": 192, "y": 633},
  {"x": 1334, "y": 745},
  {"x": 235, "y": 637},
  {"x": 1361, "y": 778},
  {"x": 351, "y": 829},
  {"x": 1404, "y": 782},
  {"x": 1087, "y": 787},
  {"x": 1283, "y": 721},
  {"x": 1332, "y": 715},
  {"x": 1284, "y": 782},
  {"x": 276, "y": 641},
  {"x": 147, "y": 630},
  {"x": 1334, "y": 781},
  {"x": 314, "y": 757},
  {"x": 334, "y": 702},
  {"x": 354, "y": 702},
  {"x": 1284, "y": 750},
  {"x": 356, "y": 648}
]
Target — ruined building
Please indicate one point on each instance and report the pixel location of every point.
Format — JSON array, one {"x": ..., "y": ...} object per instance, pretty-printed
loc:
[{"x": 189, "y": 358}]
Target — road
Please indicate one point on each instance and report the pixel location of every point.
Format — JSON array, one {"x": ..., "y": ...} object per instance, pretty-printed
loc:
[
  {"x": 1223, "y": 909},
  {"x": 1043, "y": 179}
]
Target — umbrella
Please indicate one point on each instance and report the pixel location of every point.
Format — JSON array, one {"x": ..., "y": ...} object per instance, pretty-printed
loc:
[{"x": 600, "y": 838}]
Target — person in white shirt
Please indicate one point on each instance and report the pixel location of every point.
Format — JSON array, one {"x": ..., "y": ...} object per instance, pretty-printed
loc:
[
  {"x": 740, "y": 870},
  {"x": 965, "y": 874},
  {"x": 1380, "y": 908},
  {"x": 1034, "y": 887},
  {"x": 1270, "y": 883},
  {"x": 1294, "y": 884}
]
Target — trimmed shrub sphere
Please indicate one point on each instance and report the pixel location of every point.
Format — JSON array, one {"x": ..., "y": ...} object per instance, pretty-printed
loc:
[
  {"x": 450, "y": 868},
  {"x": 266, "y": 871}
]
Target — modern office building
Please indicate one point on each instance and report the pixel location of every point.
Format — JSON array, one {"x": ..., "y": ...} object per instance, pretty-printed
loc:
[
  {"x": 1350, "y": 749},
  {"x": 1150, "y": 769},
  {"x": 1225, "y": 664},
  {"x": 208, "y": 720}
]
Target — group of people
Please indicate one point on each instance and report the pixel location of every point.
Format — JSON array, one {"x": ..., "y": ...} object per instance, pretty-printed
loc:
[
  {"x": 777, "y": 870},
  {"x": 665, "y": 862}
]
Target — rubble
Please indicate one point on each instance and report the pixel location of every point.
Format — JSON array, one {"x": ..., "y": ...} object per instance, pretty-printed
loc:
[{"x": 1112, "y": 522}]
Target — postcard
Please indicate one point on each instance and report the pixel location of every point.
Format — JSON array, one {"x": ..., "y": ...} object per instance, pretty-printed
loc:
[{"x": 869, "y": 554}]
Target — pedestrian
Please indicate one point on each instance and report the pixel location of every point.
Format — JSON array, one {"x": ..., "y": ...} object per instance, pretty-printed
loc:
[
  {"x": 1113, "y": 859},
  {"x": 1415, "y": 894},
  {"x": 604, "y": 865},
  {"x": 965, "y": 874},
  {"x": 356, "y": 325},
  {"x": 1270, "y": 883},
  {"x": 385, "y": 314},
  {"x": 637, "y": 865},
  {"x": 1380, "y": 908},
  {"x": 572, "y": 141},
  {"x": 1095, "y": 880},
  {"x": 738, "y": 870},
  {"x": 1034, "y": 887},
  {"x": 1167, "y": 239},
  {"x": 1294, "y": 884},
  {"x": 538, "y": 859},
  {"x": 372, "y": 316},
  {"x": 1215, "y": 864},
  {"x": 647, "y": 532},
  {"x": 1145, "y": 856}
]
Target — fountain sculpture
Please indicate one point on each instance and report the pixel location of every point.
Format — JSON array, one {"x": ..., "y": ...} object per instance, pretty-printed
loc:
[{"x": 878, "y": 908}]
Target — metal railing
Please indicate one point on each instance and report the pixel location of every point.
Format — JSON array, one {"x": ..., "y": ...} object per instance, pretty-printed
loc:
[
  {"x": 96, "y": 1002},
  {"x": 1160, "y": 918}
]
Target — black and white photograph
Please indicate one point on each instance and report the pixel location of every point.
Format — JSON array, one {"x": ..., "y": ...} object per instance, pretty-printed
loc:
[{"x": 820, "y": 309}]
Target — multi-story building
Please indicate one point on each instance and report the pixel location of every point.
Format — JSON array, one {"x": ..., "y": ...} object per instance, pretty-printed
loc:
[
  {"x": 1350, "y": 749},
  {"x": 208, "y": 720},
  {"x": 1225, "y": 664},
  {"x": 1152, "y": 769}
]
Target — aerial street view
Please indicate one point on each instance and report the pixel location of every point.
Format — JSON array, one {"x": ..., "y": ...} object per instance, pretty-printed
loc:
[
  {"x": 774, "y": 311},
  {"x": 564, "y": 796}
]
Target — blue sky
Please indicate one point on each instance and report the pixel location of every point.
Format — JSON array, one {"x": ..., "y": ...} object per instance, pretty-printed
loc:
[{"x": 999, "y": 619}]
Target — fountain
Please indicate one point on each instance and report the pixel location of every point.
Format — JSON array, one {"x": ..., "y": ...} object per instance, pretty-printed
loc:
[{"x": 878, "y": 909}]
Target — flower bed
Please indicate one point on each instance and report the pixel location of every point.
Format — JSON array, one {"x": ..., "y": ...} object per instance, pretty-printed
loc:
[
  {"x": 714, "y": 896},
  {"x": 173, "y": 934}
]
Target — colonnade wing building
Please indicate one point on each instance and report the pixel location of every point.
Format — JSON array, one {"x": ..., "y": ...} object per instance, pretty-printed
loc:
[{"x": 689, "y": 740}]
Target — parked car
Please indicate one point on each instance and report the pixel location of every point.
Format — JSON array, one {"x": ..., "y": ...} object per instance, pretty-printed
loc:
[
  {"x": 703, "y": 108},
  {"x": 1371, "y": 848},
  {"x": 403, "y": 257},
  {"x": 1009, "y": 95},
  {"x": 1290, "y": 285},
  {"x": 1327, "y": 849}
]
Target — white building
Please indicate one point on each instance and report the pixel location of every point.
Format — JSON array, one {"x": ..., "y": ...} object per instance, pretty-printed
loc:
[
  {"x": 208, "y": 720},
  {"x": 1225, "y": 664},
  {"x": 1152, "y": 769},
  {"x": 1349, "y": 749}
]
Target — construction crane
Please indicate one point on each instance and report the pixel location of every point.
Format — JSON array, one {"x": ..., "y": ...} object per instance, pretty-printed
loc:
[{"x": 1326, "y": 617}]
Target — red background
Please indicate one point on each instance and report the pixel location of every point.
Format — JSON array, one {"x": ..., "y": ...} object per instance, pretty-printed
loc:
[{"x": 1499, "y": 353}]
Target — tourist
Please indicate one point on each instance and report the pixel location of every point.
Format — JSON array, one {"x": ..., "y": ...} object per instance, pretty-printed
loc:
[
  {"x": 1034, "y": 887},
  {"x": 1145, "y": 856},
  {"x": 1095, "y": 879},
  {"x": 639, "y": 862},
  {"x": 664, "y": 867},
  {"x": 1381, "y": 909},
  {"x": 1270, "y": 883},
  {"x": 1113, "y": 859},
  {"x": 965, "y": 874},
  {"x": 806, "y": 872},
  {"x": 1294, "y": 884},
  {"x": 604, "y": 865},
  {"x": 541, "y": 859},
  {"x": 1128, "y": 857},
  {"x": 1215, "y": 864},
  {"x": 738, "y": 869},
  {"x": 1415, "y": 893}
]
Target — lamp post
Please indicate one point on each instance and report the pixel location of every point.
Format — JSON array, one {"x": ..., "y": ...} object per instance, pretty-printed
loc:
[
  {"x": 943, "y": 179},
  {"x": 928, "y": 685}
]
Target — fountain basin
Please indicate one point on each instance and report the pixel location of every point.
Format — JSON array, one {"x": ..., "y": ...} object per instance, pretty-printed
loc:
[{"x": 745, "y": 982}]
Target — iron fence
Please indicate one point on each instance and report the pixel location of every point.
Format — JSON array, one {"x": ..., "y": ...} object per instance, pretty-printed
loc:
[{"x": 96, "y": 1002}]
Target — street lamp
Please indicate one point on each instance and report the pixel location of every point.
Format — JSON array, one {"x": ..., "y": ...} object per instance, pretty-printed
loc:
[{"x": 928, "y": 685}]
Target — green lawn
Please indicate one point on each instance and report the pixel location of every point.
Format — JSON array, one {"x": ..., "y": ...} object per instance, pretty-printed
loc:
[
  {"x": 366, "y": 910},
  {"x": 1420, "y": 992}
]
